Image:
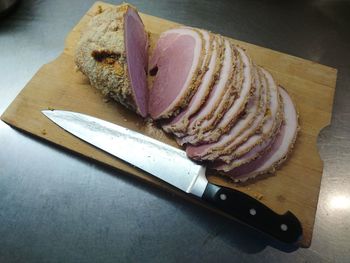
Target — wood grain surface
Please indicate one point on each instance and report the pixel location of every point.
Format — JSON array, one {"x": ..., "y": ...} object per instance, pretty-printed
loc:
[{"x": 294, "y": 187}]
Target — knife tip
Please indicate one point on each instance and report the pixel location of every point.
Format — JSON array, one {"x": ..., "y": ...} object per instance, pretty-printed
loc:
[{"x": 48, "y": 112}]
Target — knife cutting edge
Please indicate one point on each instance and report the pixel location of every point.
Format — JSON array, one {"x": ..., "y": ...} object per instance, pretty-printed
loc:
[{"x": 175, "y": 168}]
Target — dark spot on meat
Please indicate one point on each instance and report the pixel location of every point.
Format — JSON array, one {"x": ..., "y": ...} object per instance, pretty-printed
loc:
[
  {"x": 105, "y": 56},
  {"x": 243, "y": 114},
  {"x": 153, "y": 71}
]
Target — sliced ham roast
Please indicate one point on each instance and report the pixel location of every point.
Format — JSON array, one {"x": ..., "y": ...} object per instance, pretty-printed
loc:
[
  {"x": 245, "y": 90},
  {"x": 113, "y": 54},
  {"x": 270, "y": 124},
  {"x": 244, "y": 86},
  {"x": 257, "y": 144},
  {"x": 220, "y": 98},
  {"x": 236, "y": 111},
  {"x": 179, "y": 124},
  {"x": 228, "y": 112},
  {"x": 236, "y": 116},
  {"x": 256, "y": 104},
  {"x": 177, "y": 60},
  {"x": 280, "y": 148},
  {"x": 253, "y": 154},
  {"x": 217, "y": 93}
]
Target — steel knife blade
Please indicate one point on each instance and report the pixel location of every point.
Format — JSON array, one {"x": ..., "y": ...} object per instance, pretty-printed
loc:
[{"x": 172, "y": 166}]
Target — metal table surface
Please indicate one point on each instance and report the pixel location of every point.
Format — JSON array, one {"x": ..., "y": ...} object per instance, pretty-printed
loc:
[{"x": 57, "y": 207}]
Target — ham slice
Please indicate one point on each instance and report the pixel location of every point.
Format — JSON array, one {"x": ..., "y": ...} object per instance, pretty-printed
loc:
[
  {"x": 255, "y": 152},
  {"x": 113, "y": 53},
  {"x": 251, "y": 155},
  {"x": 220, "y": 99},
  {"x": 214, "y": 50},
  {"x": 271, "y": 123},
  {"x": 177, "y": 60},
  {"x": 238, "y": 106},
  {"x": 280, "y": 148},
  {"x": 256, "y": 105},
  {"x": 215, "y": 96}
]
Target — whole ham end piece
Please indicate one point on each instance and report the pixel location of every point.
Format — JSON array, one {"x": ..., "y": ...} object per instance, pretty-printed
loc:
[{"x": 112, "y": 53}]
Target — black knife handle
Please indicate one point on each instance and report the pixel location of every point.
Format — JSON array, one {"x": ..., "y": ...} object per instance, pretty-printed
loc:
[{"x": 250, "y": 211}]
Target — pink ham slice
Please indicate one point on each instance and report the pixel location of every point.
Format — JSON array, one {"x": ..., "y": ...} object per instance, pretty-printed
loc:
[
  {"x": 180, "y": 123},
  {"x": 202, "y": 123},
  {"x": 239, "y": 105},
  {"x": 216, "y": 95},
  {"x": 270, "y": 125},
  {"x": 256, "y": 104},
  {"x": 253, "y": 154},
  {"x": 234, "y": 111},
  {"x": 280, "y": 148},
  {"x": 178, "y": 59}
]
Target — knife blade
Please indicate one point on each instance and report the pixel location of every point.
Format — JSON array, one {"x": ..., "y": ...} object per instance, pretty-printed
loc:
[{"x": 172, "y": 166}]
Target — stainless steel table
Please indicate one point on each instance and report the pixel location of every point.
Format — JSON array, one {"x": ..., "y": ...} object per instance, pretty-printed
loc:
[{"x": 57, "y": 207}]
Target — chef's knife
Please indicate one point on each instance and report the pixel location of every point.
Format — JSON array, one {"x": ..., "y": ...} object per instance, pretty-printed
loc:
[{"x": 172, "y": 166}]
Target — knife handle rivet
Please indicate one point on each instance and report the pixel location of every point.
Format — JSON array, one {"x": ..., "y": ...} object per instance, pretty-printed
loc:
[
  {"x": 284, "y": 227},
  {"x": 223, "y": 197},
  {"x": 252, "y": 211}
]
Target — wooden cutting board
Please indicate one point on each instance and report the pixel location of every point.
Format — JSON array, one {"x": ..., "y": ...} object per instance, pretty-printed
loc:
[{"x": 294, "y": 187}]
